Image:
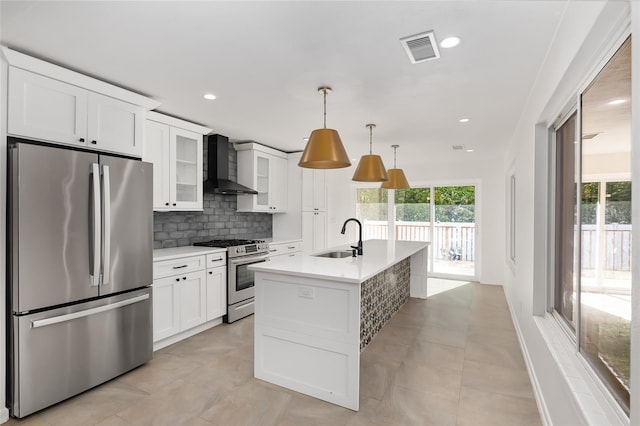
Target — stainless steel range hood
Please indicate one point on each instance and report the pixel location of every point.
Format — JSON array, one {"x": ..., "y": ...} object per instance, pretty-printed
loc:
[{"x": 218, "y": 181}]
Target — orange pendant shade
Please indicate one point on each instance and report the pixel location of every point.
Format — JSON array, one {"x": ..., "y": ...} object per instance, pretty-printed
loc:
[
  {"x": 397, "y": 180},
  {"x": 370, "y": 169},
  {"x": 324, "y": 151}
]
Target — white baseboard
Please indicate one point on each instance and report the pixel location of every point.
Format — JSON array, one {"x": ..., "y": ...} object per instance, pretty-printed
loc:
[
  {"x": 4, "y": 415},
  {"x": 545, "y": 416},
  {"x": 185, "y": 334}
]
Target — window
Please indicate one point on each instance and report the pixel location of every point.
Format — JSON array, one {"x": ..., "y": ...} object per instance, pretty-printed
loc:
[
  {"x": 592, "y": 280},
  {"x": 452, "y": 231}
]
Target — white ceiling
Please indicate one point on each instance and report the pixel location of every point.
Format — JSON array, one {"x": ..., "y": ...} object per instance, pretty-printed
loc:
[{"x": 264, "y": 61}]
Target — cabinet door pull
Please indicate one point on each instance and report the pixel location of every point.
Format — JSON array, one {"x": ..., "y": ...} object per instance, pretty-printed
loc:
[
  {"x": 210, "y": 272},
  {"x": 81, "y": 139},
  {"x": 94, "y": 142},
  {"x": 174, "y": 204},
  {"x": 166, "y": 204},
  {"x": 184, "y": 278},
  {"x": 177, "y": 279},
  {"x": 180, "y": 267}
]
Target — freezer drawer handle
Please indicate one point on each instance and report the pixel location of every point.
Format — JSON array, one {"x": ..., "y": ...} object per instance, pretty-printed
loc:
[{"x": 87, "y": 312}]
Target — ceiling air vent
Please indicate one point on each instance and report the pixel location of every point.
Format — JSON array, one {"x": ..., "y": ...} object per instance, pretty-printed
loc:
[{"x": 421, "y": 47}]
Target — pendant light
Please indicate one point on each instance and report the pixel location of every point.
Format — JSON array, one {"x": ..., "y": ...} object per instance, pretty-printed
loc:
[
  {"x": 370, "y": 167},
  {"x": 397, "y": 179},
  {"x": 324, "y": 149}
]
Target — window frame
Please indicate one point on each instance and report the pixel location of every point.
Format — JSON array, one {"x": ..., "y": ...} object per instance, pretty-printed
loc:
[{"x": 599, "y": 388}]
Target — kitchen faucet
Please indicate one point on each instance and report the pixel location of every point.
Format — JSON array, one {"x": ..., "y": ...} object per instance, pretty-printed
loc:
[{"x": 358, "y": 248}]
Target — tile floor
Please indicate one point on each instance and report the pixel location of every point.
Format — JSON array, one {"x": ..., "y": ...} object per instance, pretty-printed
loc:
[{"x": 452, "y": 359}]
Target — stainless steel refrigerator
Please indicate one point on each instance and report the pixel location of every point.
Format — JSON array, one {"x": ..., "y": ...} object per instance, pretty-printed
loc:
[{"x": 80, "y": 271}]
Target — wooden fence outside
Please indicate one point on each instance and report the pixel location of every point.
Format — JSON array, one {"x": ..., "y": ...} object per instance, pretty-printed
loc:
[{"x": 458, "y": 239}]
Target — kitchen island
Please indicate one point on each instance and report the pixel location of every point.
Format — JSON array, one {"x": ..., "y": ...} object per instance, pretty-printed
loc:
[{"x": 313, "y": 315}]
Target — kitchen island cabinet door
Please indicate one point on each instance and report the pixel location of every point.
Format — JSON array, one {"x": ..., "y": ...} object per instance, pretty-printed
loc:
[
  {"x": 166, "y": 313},
  {"x": 216, "y": 292}
]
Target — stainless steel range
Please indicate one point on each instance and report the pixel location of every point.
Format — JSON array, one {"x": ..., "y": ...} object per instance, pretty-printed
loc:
[{"x": 240, "y": 280}]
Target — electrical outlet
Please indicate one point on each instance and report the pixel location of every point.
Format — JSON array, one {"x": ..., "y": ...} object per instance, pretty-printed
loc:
[{"x": 307, "y": 292}]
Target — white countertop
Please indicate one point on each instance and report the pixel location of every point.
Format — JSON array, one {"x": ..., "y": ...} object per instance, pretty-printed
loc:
[
  {"x": 378, "y": 255},
  {"x": 281, "y": 241},
  {"x": 186, "y": 251}
]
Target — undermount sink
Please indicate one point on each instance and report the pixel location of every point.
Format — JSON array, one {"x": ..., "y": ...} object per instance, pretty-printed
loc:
[{"x": 335, "y": 254}]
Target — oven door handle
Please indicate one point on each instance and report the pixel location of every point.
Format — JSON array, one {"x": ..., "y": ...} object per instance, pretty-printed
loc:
[{"x": 246, "y": 261}]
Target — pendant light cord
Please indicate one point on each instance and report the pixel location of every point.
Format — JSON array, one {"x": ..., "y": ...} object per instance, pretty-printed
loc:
[
  {"x": 325, "y": 107},
  {"x": 370, "y": 140},
  {"x": 395, "y": 150}
]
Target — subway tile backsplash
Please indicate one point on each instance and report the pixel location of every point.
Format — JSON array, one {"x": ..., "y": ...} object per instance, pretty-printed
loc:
[{"x": 218, "y": 220}]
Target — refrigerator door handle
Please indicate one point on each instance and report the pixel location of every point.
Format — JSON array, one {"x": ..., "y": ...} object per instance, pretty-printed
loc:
[
  {"x": 95, "y": 224},
  {"x": 106, "y": 221},
  {"x": 87, "y": 312}
]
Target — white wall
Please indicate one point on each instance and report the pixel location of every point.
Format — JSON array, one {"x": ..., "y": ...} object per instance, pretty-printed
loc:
[
  {"x": 486, "y": 173},
  {"x": 4, "y": 413},
  {"x": 581, "y": 39}
]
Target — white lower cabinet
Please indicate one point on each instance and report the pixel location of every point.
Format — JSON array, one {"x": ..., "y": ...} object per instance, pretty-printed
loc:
[
  {"x": 193, "y": 299},
  {"x": 285, "y": 249},
  {"x": 166, "y": 312},
  {"x": 189, "y": 295},
  {"x": 216, "y": 292}
]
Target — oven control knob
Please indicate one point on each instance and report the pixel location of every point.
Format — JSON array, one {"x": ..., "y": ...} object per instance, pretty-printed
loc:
[{"x": 238, "y": 250}]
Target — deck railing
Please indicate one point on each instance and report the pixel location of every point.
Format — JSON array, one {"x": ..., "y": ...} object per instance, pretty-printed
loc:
[{"x": 456, "y": 241}]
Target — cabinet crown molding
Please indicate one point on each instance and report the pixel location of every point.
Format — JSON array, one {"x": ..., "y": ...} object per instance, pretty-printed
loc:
[
  {"x": 176, "y": 122},
  {"x": 38, "y": 66},
  {"x": 247, "y": 146}
]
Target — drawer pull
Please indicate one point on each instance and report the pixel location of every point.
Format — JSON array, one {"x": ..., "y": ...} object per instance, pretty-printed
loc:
[
  {"x": 291, "y": 247},
  {"x": 180, "y": 267},
  {"x": 272, "y": 250},
  {"x": 217, "y": 260}
]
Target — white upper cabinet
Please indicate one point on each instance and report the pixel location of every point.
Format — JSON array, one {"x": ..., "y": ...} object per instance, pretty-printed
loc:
[
  {"x": 314, "y": 190},
  {"x": 114, "y": 125},
  {"x": 50, "y": 103},
  {"x": 175, "y": 149},
  {"x": 158, "y": 151},
  {"x": 47, "y": 109},
  {"x": 265, "y": 170}
]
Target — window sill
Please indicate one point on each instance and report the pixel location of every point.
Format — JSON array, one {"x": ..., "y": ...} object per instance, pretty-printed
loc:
[{"x": 596, "y": 403}]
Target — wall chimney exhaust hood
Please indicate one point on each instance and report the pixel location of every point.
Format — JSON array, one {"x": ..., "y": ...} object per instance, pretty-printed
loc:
[{"x": 218, "y": 169}]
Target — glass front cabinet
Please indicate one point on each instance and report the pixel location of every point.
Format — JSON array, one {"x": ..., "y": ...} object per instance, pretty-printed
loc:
[{"x": 175, "y": 148}]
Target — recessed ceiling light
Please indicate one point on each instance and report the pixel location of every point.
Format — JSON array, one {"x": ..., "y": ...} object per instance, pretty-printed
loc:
[
  {"x": 450, "y": 42},
  {"x": 464, "y": 120},
  {"x": 470, "y": 150},
  {"x": 209, "y": 96},
  {"x": 617, "y": 102}
]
